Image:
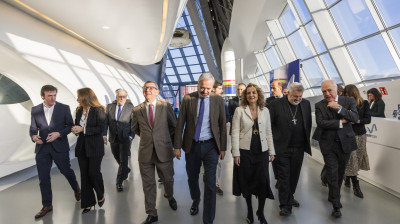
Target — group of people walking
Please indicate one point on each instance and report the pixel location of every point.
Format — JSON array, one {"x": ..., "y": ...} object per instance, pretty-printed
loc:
[{"x": 275, "y": 130}]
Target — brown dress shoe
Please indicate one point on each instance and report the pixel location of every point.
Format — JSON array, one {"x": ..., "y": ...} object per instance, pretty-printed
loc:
[
  {"x": 44, "y": 211},
  {"x": 77, "y": 193}
]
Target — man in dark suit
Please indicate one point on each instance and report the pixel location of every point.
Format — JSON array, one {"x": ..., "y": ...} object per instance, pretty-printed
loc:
[
  {"x": 276, "y": 92},
  {"x": 235, "y": 102},
  {"x": 155, "y": 121},
  {"x": 203, "y": 125},
  {"x": 51, "y": 122},
  {"x": 119, "y": 116},
  {"x": 334, "y": 115},
  {"x": 291, "y": 128}
]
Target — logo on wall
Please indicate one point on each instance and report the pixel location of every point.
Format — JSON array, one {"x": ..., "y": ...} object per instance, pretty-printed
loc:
[
  {"x": 372, "y": 130},
  {"x": 383, "y": 90}
]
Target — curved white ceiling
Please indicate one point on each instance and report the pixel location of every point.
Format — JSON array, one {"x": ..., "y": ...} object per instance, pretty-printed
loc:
[{"x": 135, "y": 31}]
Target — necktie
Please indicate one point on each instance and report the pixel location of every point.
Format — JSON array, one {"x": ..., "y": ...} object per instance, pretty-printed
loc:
[
  {"x": 199, "y": 120},
  {"x": 119, "y": 112},
  {"x": 151, "y": 118}
]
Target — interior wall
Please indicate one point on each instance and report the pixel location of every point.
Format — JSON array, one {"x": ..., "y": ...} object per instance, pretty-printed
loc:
[{"x": 34, "y": 54}]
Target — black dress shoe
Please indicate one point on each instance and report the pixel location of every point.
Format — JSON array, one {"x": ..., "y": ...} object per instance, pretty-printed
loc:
[
  {"x": 295, "y": 203},
  {"x": 261, "y": 217},
  {"x": 336, "y": 213},
  {"x": 285, "y": 212},
  {"x": 150, "y": 219},
  {"x": 173, "y": 204},
  {"x": 86, "y": 210},
  {"x": 119, "y": 187},
  {"x": 101, "y": 202},
  {"x": 250, "y": 218},
  {"x": 194, "y": 209}
]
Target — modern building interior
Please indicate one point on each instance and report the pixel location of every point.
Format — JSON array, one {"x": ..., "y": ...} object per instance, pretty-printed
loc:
[{"x": 106, "y": 45}]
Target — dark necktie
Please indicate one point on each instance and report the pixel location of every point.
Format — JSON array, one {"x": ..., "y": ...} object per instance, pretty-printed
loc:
[
  {"x": 119, "y": 112},
  {"x": 151, "y": 118},
  {"x": 199, "y": 120}
]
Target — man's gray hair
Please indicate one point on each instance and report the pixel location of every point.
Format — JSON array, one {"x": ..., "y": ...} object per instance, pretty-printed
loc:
[
  {"x": 333, "y": 82},
  {"x": 296, "y": 86},
  {"x": 206, "y": 76},
  {"x": 118, "y": 91}
]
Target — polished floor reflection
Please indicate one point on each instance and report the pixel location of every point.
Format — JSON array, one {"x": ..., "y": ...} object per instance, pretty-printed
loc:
[{"x": 20, "y": 202}]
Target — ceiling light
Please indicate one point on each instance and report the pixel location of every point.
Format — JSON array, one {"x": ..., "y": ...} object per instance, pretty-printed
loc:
[{"x": 106, "y": 27}]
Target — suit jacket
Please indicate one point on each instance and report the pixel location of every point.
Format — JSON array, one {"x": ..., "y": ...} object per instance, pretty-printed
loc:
[
  {"x": 378, "y": 109},
  {"x": 269, "y": 100},
  {"x": 281, "y": 124},
  {"x": 92, "y": 140},
  {"x": 188, "y": 119},
  {"x": 232, "y": 105},
  {"x": 160, "y": 138},
  {"x": 61, "y": 121},
  {"x": 328, "y": 125},
  {"x": 120, "y": 127},
  {"x": 243, "y": 128},
  {"x": 364, "y": 116}
]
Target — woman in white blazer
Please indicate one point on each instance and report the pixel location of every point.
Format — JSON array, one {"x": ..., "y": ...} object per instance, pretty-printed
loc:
[{"x": 252, "y": 149}]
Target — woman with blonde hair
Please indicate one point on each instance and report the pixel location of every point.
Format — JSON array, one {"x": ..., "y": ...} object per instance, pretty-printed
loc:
[
  {"x": 90, "y": 122},
  {"x": 358, "y": 158},
  {"x": 252, "y": 149}
]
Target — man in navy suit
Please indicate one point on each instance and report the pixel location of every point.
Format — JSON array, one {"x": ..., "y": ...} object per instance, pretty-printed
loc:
[{"x": 51, "y": 122}]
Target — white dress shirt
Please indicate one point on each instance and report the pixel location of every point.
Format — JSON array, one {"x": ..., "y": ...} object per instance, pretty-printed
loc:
[{"x": 48, "y": 112}]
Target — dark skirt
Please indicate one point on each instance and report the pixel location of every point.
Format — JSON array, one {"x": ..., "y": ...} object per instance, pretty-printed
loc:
[{"x": 252, "y": 176}]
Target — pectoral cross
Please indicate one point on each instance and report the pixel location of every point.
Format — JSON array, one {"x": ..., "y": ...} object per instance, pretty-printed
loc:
[{"x": 294, "y": 121}]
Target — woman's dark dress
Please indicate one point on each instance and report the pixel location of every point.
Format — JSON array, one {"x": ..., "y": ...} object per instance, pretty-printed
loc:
[{"x": 252, "y": 176}]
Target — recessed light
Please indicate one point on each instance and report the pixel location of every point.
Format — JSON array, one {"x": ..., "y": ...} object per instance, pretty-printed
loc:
[{"x": 106, "y": 27}]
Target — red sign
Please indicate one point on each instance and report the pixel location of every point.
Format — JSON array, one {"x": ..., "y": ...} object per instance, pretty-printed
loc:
[{"x": 383, "y": 90}]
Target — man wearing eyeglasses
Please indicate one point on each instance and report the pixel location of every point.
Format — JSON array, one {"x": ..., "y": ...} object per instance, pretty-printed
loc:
[
  {"x": 119, "y": 117},
  {"x": 154, "y": 121}
]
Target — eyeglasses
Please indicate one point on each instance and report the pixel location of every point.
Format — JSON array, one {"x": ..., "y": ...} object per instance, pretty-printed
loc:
[
  {"x": 151, "y": 88},
  {"x": 122, "y": 97}
]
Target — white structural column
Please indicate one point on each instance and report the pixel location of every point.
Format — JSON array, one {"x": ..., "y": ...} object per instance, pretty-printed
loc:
[{"x": 331, "y": 36}]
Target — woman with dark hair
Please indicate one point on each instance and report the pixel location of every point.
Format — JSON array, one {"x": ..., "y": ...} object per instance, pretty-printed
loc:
[
  {"x": 358, "y": 158},
  {"x": 376, "y": 104},
  {"x": 252, "y": 149},
  {"x": 89, "y": 124}
]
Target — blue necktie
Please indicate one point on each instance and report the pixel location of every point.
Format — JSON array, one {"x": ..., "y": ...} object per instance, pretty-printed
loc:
[
  {"x": 199, "y": 120},
  {"x": 119, "y": 112}
]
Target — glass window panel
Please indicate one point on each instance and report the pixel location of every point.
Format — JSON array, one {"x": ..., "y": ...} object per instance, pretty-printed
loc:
[
  {"x": 169, "y": 71},
  {"x": 205, "y": 67},
  {"x": 203, "y": 59},
  {"x": 330, "y": 68},
  {"x": 268, "y": 45},
  {"x": 263, "y": 83},
  {"x": 195, "y": 68},
  {"x": 330, "y": 2},
  {"x": 389, "y": 9},
  {"x": 302, "y": 10},
  {"x": 313, "y": 72},
  {"x": 185, "y": 78},
  {"x": 353, "y": 19},
  {"x": 192, "y": 60},
  {"x": 272, "y": 39},
  {"x": 168, "y": 63},
  {"x": 315, "y": 37},
  {"x": 179, "y": 62},
  {"x": 300, "y": 46},
  {"x": 200, "y": 51},
  {"x": 188, "y": 19},
  {"x": 273, "y": 61},
  {"x": 172, "y": 79},
  {"x": 175, "y": 53},
  {"x": 280, "y": 55},
  {"x": 196, "y": 76},
  {"x": 182, "y": 70},
  {"x": 373, "y": 58},
  {"x": 189, "y": 51},
  {"x": 395, "y": 33},
  {"x": 288, "y": 21}
]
